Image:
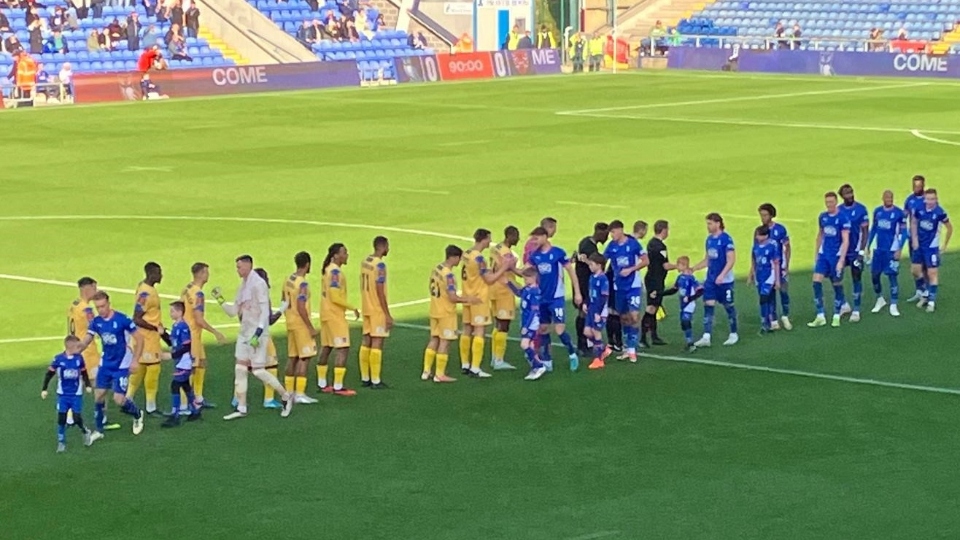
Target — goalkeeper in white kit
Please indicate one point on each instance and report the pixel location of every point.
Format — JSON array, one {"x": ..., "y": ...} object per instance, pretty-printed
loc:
[{"x": 252, "y": 306}]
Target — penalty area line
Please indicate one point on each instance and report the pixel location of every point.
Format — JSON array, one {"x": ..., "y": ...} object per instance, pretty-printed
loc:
[{"x": 918, "y": 134}]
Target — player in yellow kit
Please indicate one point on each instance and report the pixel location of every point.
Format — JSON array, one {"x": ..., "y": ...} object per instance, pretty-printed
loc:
[
  {"x": 301, "y": 334},
  {"x": 146, "y": 315},
  {"x": 195, "y": 302},
  {"x": 477, "y": 279},
  {"x": 443, "y": 316},
  {"x": 377, "y": 321},
  {"x": 503, "y": 302},
  {"x": 79, "y": 315},
  {"x": 334, "y": 332}
]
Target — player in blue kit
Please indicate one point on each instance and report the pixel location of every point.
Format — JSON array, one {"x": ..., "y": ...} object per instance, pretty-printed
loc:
[
  {"x": 765, "y": 272},
  {"x": 779, "y": 235},
  {"x": 627, "y": 257},
  {"x": 113, "y": 328},
  {"x": 859, "y": 218},
  {"x": 182, "y": 367},
  {"x": 911, "y": 205},
  {"x": 689, "y": 289},
  {"x": 529, "y": 320},
  {"x": 596, "y": 310},
  {"x": 718, "y": 285},
  {"x": 550, "y": 262},
  {"x": 925, "y": 239},
  {"x": 890, "y": 232},
  {"x": 71, "y": 371},
  {"x": 833, "y": 241}
]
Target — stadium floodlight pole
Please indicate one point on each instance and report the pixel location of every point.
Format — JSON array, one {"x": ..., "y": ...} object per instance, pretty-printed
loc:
[{"x": 614, "y": 37}]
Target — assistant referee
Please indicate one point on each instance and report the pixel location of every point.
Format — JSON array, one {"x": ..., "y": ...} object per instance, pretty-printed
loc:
[
  {"x": 588, "y": 246},
  {"x": 655, "y": 282}
]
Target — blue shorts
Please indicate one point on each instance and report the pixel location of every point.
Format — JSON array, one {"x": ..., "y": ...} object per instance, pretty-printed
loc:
[
  {"x": 884, "y": 263},
  {"x": 113, "y": 379},
  {"x": 827, "y": 267},
  {"x": 916, "y": 256},
  {"x": 627, "y": 301},
  {"x": 931, "y": 257},
  {"x": 596, "y": 320},
  {"x": 717, "y": 293},
  {"x": 182, "y": 375},
  {"x": 764, "y": 289},
  {"x": 70, "y": 403},
  {"x": 553, "y": 311},
  {"x": 855, "y": 262}
]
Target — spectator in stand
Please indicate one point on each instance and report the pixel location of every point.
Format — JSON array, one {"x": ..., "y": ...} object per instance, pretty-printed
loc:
[
  {"x": 176, "y": 14},
  {"x": 163, "y": 10},
  {"x": 58, "y": 20},
  {"x": 150, "y": 6},
  {"x": 412, "y": 42},
  {"x": 578, "y": 52},
  {"x": 513, "y": 38},
  {"x": 149, "y": 90},
  {"x": 332, "y": 28},
  {"x": 596, "y": 52},
  {"x": 780, "y": 33},
  {"x": 44, "y": 82},
  {"x": 545, "y": 39},
  {"x": 349, "y": 32},
  {"x": 32, "y": 16},
  {"x": 177, "y": 47},
  {"x": 81, "y": 7},
  {"x": 658, "y": 39},
  {"x": 150, "y": 37},
  {"x": 902, "y": 33},
  {"x": 422, "y": 39},
  {"x": 93, "y": 41},
  {"x": 103, "y": 38},
  {"x": 4, "y": 23},
  {"x": 12, "y": 45},
  {"x": 314, "y": 5},
  {"x": 96, "y": 7},
  {"x": 525, "y": 42},
  {"x": 73, "y": 23},
  {"x": 35, "y": 30},
  {"x": 66, "y": 81},
  {"x": 379, "y": 23},
  {"x": 876, "y": 40},
  {"x": 306, "y": 35},
  {"x": 133, "y": 31},
  {"x": 797, "y": 34},
  {"x": 56, "y": 44},
  {"x": 115, "y": 31},
  {"x": 192, "y": 20}
]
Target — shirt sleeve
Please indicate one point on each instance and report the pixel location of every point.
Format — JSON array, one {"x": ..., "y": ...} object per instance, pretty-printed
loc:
[
  {"x": 304, "y": 289},
  {"x": 381, "y": 272},
  {"x": 198, "y": 301},
  {"x": 263, "y": 300},
  {"x": 451, "y": 282},
  {"x": 131, "y": 326}
]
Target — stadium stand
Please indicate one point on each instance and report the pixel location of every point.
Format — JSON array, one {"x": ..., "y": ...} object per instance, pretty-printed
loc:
[
  {"x": 834, "y": 25},
  {"x": 120, "y": 59},
  {"x": 372, "y": 45}
]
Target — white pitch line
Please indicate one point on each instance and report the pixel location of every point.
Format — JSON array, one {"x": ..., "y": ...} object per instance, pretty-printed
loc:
[
  {"x": 463, "y": 143},
  {"x": 592, "y": 205},
  {"x": 760, "y": 97},
  {"x": 595, "y": 536},
  {"x": 147, "y": 169},
  {"x": 71, "y": 284},
  {"x": 424, "y": 191},
  {"x": 918, "y": 134}
]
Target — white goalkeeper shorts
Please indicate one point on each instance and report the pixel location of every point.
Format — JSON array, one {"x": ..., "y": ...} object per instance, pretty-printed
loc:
[{"x": 257, "y": 356}]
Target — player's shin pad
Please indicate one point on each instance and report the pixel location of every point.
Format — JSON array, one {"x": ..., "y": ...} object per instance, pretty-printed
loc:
[
  {"x": 268, "y": 379},
  {"x": 240, "y": 379}
]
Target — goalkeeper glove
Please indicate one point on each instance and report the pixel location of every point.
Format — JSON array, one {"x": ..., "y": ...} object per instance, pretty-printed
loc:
[
  {"x": 255, "y": 340},
  {"x": 218, "y": 295}
]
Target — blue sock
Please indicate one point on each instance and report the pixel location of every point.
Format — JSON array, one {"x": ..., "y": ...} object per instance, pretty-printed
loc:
[
  {"x": 708, "y": 319},
  {"x": 933, "y": 292},
  {"x": 818, "y": 296},
  {"x": 784, "y": 303},
  {"x": 62, "y": 433},
  {"x": 99, "y": 415},
  {"x": 838, "y": 298},
  {"x": 687, "y": 327},
  {"x": 732, "y": 316},
  {"x": 857, "y": 294},
  {"x": 568, "y": 343},
  {"x": 598, "y": 349},
  {"x": 192, "y": 402},
  {"x": 877, "y": 286},
  {"x": 894, "y": 289},
  {"x": 920, "y": 283},
  {"x": 764, "y": 313},
  {"x": 773, "y": 308},
  {"x": 631, "y": 337},
  {"x": 531, "y": 355},
  {"x": 545, "y": 348},
  {"x": 129, "y": 407},
  {"x": 175, "y": 400}
]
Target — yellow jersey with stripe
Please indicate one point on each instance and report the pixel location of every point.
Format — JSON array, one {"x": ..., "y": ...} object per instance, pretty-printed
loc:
[
  {"x": 78, "y": 319},
  {"x": 442, "y": 281},
  {"x": 295, "y": 289},
  {"x": 193, "y": 301},
  {"x": 474, "y": 268},
  {"x": 148, "y": 303},
  {"x": 333, "y": 294},
  {"x": 373, "y": 272},
  {"x": 499, "y": 256}
]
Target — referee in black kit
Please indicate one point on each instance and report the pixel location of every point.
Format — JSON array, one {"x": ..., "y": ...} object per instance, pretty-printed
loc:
[
  {"x": 588, "y": 246},
  {"x": 655, "y": 281}
]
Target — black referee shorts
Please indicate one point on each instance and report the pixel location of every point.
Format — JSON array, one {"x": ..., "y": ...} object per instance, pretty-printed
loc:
[{"x": 655, "y": 297}]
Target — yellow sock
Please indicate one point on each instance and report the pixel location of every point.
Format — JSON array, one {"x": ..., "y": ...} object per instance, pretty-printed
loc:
[
  {"x": 442, "y": 364},
  {"x": 300, "y": 383},
  {"x": 478, "y": 344},
  {"x": 151, "y": 385},
  {"x": 376, "y": 362},
  {"x": 268, "y": 392},
  {"x": 322, "y": 375},
  {"x": 289, "y": 383},
  {"x": 136, "y": 379},
  {"x": 500, "y": 345},
  {"x": 429, "y": 356},
  {"x": 364, "y": 363},
  {"x": 338, "y": 374},
  {"x": 199, "y": 375},
  {"x": 494, "y": 335},
  {"x": 465, "y": 351}
]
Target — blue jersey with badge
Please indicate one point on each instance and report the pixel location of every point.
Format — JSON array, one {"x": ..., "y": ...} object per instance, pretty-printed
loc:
[
  {"x": 530, "y": 307},
  {"x": 550, "y": 265},
  {"x": 832, "y": 227},
  {"x": 913, "y": 203},
  {"x": 599, "y": 293},
  {"x": 859, "y": 216},
  {"x": 718, "y": 249},
  {"x": 764, "y": 255},
  {"x": 625, "y": 255},
  {"x": 889, "y": 225},
  {"x": 180, "y": 335},
  {"x": 113, "y": 337},
  {"x": 687, "y": 287},
  {"x": 928, "y": 226},
  {"x": 69, "y": 370}
]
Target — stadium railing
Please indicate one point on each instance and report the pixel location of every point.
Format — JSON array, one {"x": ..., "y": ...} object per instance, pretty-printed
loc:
[
  {"x": 803, "y": 44},
  {"x": 51, "y": 93}
]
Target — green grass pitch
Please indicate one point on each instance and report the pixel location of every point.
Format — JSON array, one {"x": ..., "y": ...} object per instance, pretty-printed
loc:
[{"x": 663, "y": 449}]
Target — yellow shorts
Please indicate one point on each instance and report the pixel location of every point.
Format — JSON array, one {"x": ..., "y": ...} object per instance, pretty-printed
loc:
[
  {"x": 476, "y": 314},
  {"x": 375, "y": 325},
  {"x": 271, "y": 353},
  {"x": 92, "y": 359},
  {"x": 151, "y": 347},
  {"x": 197, "y": 350},
  {"x": 335, "y": 334},
  {"x": 504, "y": 307},
  {"x": 444, "y": 327},
  {"x": 300, "y": 344}
]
